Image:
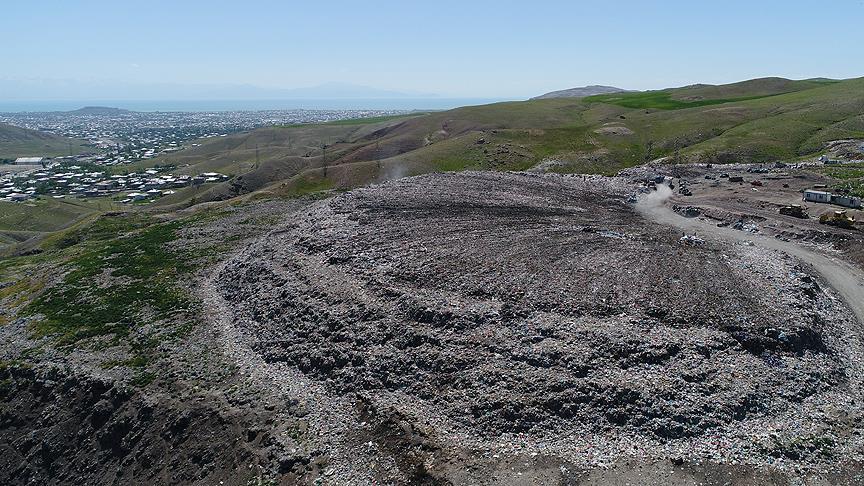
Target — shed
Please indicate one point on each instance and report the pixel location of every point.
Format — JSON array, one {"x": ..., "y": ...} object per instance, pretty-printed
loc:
[
  {"x": 847, "y": 201},
  {"x": 29, "y": 160},
  {"x": 817, "y": 196}
]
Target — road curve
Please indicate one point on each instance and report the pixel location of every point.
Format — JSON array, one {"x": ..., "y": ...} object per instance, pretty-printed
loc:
[{"x": 846, "y": 279}]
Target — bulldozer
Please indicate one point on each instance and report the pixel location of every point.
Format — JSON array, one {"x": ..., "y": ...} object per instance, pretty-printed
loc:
[
  {"x": 840, "y": 219},
  {"x": 795, "y": 210}
]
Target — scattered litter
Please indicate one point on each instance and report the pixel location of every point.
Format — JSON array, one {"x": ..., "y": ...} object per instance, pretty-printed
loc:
[{"x": 691, "y": 240}]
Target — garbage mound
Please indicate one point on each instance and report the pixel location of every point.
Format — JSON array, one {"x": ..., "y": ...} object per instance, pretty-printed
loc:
[{"x": 495, "y": 307}]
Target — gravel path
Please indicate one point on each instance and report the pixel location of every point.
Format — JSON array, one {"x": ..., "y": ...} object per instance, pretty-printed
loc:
[{"x": 846, "y": 279}]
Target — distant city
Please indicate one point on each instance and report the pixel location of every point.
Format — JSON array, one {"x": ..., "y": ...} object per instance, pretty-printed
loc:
[
  {"x": 126, "y": 136},
  {"x": 120, "y": 137}
]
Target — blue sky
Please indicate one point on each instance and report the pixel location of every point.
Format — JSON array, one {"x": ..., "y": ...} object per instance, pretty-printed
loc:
[{"x": 499, "y": 48}]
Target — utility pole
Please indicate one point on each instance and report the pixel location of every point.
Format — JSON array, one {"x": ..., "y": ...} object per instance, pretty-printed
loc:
[
  {"x": 324, "y": 152},
  {"x": 378, "y": 155},
  {"x": 649, "y": 151}
]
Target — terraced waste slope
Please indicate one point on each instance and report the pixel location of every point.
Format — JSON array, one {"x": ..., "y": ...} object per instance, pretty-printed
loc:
[{"x": 542, "y": 316}]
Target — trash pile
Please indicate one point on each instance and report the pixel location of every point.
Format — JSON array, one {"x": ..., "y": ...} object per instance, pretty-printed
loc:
[
  {"x": 691, "y": 240},
  {"x": 544, "y": 314}
]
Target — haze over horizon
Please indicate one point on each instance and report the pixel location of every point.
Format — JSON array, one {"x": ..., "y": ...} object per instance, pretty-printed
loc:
[{"x": 493, "y": 50}]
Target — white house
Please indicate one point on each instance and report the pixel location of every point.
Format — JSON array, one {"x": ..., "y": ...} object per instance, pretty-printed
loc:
[{"x": 817, "y": 196}]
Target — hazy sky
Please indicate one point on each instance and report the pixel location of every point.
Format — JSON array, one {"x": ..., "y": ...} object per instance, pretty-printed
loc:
[{"x": 452, "y": 48}]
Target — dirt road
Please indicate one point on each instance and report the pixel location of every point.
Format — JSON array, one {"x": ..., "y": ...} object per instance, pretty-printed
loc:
[{"x": 846, "y": 279}]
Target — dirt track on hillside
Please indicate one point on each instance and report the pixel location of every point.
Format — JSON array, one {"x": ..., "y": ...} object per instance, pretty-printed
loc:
[{"x": 844, "y": 278}]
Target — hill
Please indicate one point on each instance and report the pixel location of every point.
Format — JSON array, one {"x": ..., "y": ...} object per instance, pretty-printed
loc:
[
  {"x": 439, "y": 322},
  {"x": 754, "y": 121},
  {"x": 581, "y": 92},
  {"x": 98, "y": 110},
  {"x": 21, "y": 142},
  {"x": 706, "y": 94}
]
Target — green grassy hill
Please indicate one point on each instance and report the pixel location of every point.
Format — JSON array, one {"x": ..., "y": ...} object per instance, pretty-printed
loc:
[
  {"x": 20, "y": 142},
  {"x": 704, "y": 95},
  {"x": 760, "y": 120},
  {"x": 27, "y": 222}
]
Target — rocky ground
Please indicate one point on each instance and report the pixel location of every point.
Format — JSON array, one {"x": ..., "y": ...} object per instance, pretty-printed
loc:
[
  {"x": 489, "y": 327},
  {"x": 471, "y": 328},
  {"x": 81, "y": 415}
]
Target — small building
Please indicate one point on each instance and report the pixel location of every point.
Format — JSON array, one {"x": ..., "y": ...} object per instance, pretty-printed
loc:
[
  {"x": 29, "y": 160},
  {"x": 18, "y": 197},
  {"x": 846, "y": 201},
  {"x": 817, "y": 196}
]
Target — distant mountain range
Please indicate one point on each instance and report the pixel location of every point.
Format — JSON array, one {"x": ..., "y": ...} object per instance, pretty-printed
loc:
[{"x": 580, "y": 92}]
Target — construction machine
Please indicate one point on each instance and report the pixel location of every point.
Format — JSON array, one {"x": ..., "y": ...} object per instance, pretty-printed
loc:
[
  {"x": 795, "y": 210},
  {"x": 840, "y": 219}
]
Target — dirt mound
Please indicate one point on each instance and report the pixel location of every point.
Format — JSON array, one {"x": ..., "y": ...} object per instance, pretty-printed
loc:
[
  {"x": 614, "y": 130},
  {"x": 542, "y": 311}
]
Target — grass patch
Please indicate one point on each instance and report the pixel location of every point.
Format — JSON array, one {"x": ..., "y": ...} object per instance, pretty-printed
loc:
[
  {"x": 43, "y": 214},
  {"x": 15, "y": 296},
  {"x": 118, "y": 287},
  {"x": 854, "y": 188},
  {"x": 112, "y": 281},
  {"x": 662, "y": 100},
  {"x": 845, "y": 172},
  {"x": 306, "y": 185},
  {"x": 453, "y": 164},
  {"x": 849, "y": 178},
  {"x": 21, "y": 142}
]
